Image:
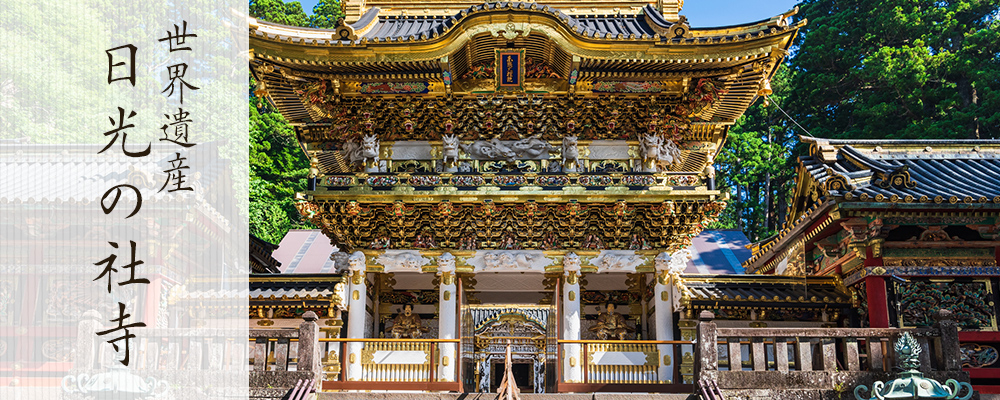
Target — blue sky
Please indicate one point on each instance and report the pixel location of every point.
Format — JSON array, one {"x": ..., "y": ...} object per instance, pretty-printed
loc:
[{"x": 703, "y": 13}]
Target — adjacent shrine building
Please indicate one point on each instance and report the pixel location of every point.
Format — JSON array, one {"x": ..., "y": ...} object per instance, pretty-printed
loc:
[{"x": 910, "y": 227}]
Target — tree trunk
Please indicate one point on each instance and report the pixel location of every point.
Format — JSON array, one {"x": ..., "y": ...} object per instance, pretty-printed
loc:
[
  {"x": 739, "y": 199},
  {"x": 782, "y": 206},
  {"x": 768, "y": 203},
  {"x": 970, "y": 98}
]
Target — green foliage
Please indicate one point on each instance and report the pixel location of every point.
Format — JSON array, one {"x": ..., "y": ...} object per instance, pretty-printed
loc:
[
  {"x": 325, "y": 13},
  {"x": 756, "y": 166},
  {"x": 278, "y": 169},
  {"x": 898, "y": 69},
  {"x": 279, "y": 12},
  {"x": 53, "y": 69},
  {"x": 904, "y": 69}
]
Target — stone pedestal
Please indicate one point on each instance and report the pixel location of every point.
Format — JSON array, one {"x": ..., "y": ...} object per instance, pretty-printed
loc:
[{"x": 309, "y": 357}]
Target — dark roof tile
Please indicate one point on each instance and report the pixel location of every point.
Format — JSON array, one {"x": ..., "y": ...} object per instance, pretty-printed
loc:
[
  {"x": 935, "y": 173},
  {"x": 388, "y": 28}
]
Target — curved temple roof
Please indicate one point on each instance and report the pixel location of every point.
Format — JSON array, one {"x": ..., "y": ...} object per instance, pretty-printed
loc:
[
  {"x": 392, "y": 28},
  {"x": 725, "y": 291},
  {"x": 632, "y": 47},
  {"x": 649, "y": 24},
  {"x": 355, "y": 8},
  {"x": 875, "y": 171},
  {"x": 888, "y": 175}
]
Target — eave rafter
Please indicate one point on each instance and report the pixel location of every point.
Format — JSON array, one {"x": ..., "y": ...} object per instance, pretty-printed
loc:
[{"x": 510, "y": 223}]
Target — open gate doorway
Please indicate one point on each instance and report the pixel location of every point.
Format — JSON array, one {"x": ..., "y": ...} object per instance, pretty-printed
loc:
[{"x": 529, "y": 330}]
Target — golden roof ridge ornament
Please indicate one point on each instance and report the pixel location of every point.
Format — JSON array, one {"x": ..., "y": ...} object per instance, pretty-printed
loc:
[{"x": 344, "y": 31}]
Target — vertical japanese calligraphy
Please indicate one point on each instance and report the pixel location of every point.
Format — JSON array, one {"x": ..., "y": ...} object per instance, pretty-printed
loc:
[
  {"x": 122, "y": 68},
  {"x": 177, "y": 71},
  {"x": 510, "y": 69},
  {"x": 176, "y": 129},
  {"x": 102, "y": 271},
  {"x": 130, "y": 66}
]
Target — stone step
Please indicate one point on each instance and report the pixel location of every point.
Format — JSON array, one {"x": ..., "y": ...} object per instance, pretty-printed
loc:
[
  {"x": 493, "y": 396},
  {"x": 268, "y": 393}
]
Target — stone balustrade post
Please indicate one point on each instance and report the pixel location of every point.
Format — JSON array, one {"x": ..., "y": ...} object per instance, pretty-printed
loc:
[
  {"x": 950, "y": 348},
  {"x": 86, "y": 340},
  {"x": 706, "y": 359},
  {"x": 309, "y": 357}
]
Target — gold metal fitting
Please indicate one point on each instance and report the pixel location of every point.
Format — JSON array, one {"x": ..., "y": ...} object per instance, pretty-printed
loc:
[{"x": 765, "y": 88}]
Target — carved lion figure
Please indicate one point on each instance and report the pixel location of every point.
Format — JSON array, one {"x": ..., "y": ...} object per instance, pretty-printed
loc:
[
  {"x": 357, "y": 261},
  {"x": 450, "y": 153},
  {"x": 571, "y": 262},
  {"x": 368, "y": 149},
  {"x": 570, "y": 154}
]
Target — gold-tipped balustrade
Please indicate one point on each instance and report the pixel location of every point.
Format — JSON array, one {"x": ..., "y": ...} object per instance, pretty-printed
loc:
[
  {"x": 622, "y": 373},
  {"x": 629, "y": 363},
  {"x": 398, "y": 364}
]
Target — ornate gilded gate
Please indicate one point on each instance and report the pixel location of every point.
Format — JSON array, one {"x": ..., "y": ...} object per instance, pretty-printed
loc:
[{"x": 488, "y": 329}]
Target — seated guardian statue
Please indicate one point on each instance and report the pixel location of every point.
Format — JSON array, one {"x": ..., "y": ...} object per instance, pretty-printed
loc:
[
  {"x": 610, "y": 325},
  {"x": 407, "y": 324}
]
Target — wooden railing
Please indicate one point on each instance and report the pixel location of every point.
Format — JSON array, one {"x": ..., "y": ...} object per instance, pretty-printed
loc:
[
  {"x": 815, "y": 358},
  {"x": 623, "y": 365},
  {"x": 188, "y": 359},
  {"x": 284, "y": 359},
  {"x": 394, "y": 364},
  {"x": 162, "y": 349},
  {"x": 274, "y": 349}
]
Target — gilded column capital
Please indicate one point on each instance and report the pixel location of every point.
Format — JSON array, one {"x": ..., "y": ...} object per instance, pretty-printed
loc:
[
  {"x": 446, "y": 268},
  {"x": 357, "y": 277},
  {"x": 876, "y": 246},
  {"x": 446, "y": 263},
  {"x": 356, "y": 263},
  {"x": 672, "y": 264},
  {"x": 571, "y": 268}
]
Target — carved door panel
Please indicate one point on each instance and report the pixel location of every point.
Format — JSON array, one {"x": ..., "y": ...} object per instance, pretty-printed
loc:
[
  {"x": 551, "y": 345},
  {"x": 468, "y": 364}
]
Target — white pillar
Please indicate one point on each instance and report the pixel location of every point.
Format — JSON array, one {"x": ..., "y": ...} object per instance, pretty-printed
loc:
[
  {"x": 446, "y": 317},
  {"x": 356, "y": 314},
  {"x": 668, "y": 268},
  {"x": 573, "y": 363}
]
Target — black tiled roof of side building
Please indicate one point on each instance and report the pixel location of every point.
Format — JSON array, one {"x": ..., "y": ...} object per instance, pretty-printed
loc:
[{"x": 972, "y": 172}]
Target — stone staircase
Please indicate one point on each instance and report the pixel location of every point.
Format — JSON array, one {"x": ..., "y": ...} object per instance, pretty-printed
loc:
[{"x": 492, "y": 396}]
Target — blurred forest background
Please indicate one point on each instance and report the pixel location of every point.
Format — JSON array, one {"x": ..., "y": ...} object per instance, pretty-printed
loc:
[{"x": 860, "y": 69}]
